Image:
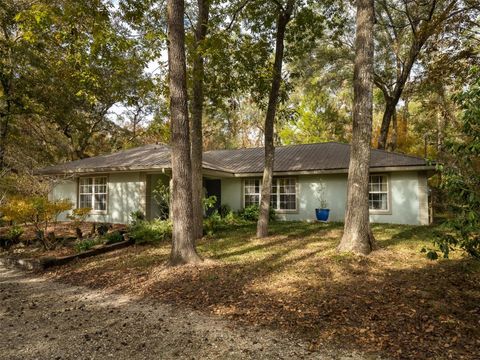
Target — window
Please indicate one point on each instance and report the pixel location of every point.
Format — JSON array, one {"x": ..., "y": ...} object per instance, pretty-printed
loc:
[
  {"x": 378, "y": 193},
  {"x": 283, "y": 195},
  {"x": 92, "y": 193},
  {"x": 252, "y": 192}
]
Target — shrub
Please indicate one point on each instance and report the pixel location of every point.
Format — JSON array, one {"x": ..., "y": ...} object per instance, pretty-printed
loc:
[
  {"x": 14, "y": 233},
  {"x": 209, "y": 202},
  {"x": 12, "y": 237},
  {"x": 84, "y": 245},
  {"x": 461, "y": 177},
  {"x": 212, "y": 223},
  {"x": 39, "y": 211},
  {"x": 250, "y": 213},
  {"x": 136, "y": 216},
  {"x": 161, "y": 195},
  {"x": 150, "y": 231},
  {"x": 113, "y": 237},
  {"x": 224, "y": 210}
]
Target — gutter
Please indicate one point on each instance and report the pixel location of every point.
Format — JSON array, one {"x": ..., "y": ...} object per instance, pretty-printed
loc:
[
  {"x": 221, "y": 173},
  {"x": 339, "y": 171}
]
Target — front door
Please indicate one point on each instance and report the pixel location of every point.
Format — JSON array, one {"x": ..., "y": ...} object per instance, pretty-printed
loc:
[{"x": 213, "y": 187}]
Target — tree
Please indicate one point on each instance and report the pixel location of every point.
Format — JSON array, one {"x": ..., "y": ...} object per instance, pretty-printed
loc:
[
  {"x": 183, "y": 246},
  {"x": 198, "y": 75},
  {"x": 357, "y": 236},
  {"x": 321, "y": 98},
  {"x": 13, "y": 54},
  {"x": 405, "y": 28},
  {"x": 284, "y": 17},
  {"x": 461, "y": 177}
]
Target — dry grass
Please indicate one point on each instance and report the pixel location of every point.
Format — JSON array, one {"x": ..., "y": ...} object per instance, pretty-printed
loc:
[{"x": 394, "y": 302}]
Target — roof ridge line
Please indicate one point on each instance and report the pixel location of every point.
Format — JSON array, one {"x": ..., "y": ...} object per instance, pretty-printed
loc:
[{"x": 280, "y": 146}]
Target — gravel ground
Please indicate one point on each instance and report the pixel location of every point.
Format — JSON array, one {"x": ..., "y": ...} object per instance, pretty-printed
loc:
[{"x": 41, "y": 319}]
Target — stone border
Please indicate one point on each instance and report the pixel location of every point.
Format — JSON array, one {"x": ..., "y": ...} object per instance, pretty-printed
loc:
[{"x": 43, "y": 263}]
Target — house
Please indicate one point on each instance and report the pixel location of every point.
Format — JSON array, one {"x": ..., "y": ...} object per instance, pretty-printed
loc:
[{"x": 117, "y": 184}]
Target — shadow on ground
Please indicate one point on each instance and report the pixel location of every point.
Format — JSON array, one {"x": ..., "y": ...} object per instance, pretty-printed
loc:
[{"x": 397, "y": 305}]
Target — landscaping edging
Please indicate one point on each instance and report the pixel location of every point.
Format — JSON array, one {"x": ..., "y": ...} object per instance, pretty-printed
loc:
[{"x": 48, "y": 262}]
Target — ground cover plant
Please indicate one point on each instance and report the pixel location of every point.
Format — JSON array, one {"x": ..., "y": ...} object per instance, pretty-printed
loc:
[{"x": 395, "y": 302}]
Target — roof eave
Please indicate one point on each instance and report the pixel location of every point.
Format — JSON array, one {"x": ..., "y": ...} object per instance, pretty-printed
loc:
[
  {"x": 341, "y": 171},
  {"x": 105, "y": 170}
]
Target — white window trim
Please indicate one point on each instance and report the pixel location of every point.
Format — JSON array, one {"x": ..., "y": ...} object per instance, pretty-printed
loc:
[
  {"x": 278, "y": 211},
  {"x": 93, "y": 211},
  {"x": 244, "y": 194},
  {"x": 388, "y": 211}
]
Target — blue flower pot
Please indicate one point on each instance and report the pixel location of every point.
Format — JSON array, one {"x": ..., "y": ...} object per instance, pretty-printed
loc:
[{"x": 322, "y": 214}]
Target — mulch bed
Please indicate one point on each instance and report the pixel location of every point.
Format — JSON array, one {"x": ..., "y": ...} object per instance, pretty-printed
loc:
[
  {"x": 33, "y": 250},
  {"x": 62, "y": 229}
]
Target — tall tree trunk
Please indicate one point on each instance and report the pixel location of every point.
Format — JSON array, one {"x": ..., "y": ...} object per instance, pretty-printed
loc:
[
  {"x": 183, "y": 246},
  {"x": 392, "y": 144},
  {"x": 4, "y": 125},
  {"x": 441, "y": 124},
  {"x": 5, "y": 121},
  {"x": 357, "y": 236},
  {"x": 400, "y": 82},
  {"x": 197, "y": 111},
  {"x": 405, "y": 118},
  {"x": 390, "y": 106},
  {"x": 263, "y": 217}
]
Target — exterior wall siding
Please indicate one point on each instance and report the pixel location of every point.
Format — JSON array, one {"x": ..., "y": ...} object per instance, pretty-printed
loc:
[
  {"x": 406, "y": 192},
  {"x": 232, "y": 190},
  {"x": 126, "y": 193},
  {"x": 67, "y": 190}
]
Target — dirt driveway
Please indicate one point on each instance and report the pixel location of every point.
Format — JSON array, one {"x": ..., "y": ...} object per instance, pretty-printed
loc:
[{"x": 41, "y": 319}]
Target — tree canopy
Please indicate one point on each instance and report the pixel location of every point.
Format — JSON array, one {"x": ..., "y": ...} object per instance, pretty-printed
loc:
[{"x": 88, "y": 77}]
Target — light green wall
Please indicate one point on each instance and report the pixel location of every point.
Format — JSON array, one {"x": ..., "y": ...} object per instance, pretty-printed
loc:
[
  {"x": 232, "y": 193},
  {"x": 126, "y": 193},
  {"x": 64, "y": 190},
  {"x": 405, "y": 193}
]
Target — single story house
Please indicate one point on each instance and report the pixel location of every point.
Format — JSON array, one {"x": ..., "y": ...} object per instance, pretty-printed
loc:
[{"x": 117, "y": 184}]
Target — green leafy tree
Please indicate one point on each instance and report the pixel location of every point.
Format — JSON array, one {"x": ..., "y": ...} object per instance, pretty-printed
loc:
[
  {"x": 405, "y": 30},
  {"x": 461, "y": 177}
]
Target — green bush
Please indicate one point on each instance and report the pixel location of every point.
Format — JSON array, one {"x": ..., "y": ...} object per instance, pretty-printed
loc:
[
  {"x": 250, "y": 213},
  {"x": 12, "y": 237},
  {"x": 155, "y": 231},
  {"x": 136, "y": 216},
  {"x": 212, "y": 223},
  {"x": 460, "y": 179},
  {"x": 84, "y": 245},
  {"x": 161, "y": 195},
  {"x": 113, "y": 237},
  {"x": 224, "y": 210},
  {"x": 14, "y": 233}
]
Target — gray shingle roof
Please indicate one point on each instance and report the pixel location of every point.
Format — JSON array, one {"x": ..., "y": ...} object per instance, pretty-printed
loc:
[{"x": 309, "y": 157}]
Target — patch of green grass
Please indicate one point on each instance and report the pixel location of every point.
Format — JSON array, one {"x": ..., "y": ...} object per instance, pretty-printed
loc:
[
  {"x": 238, "y": 244},
  {"x": 403, "y": 237}
]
